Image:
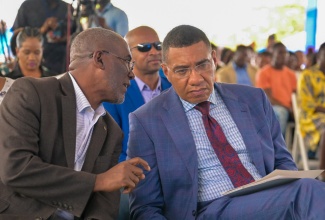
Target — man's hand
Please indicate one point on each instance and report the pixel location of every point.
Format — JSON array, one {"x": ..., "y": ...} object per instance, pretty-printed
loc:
[
  {"x": 124, "y": 175},
  {"x": 103, "y": 24},
  {"x": 49, "y": 24}
]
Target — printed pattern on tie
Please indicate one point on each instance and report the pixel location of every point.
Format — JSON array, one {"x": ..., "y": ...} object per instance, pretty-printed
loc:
[{"x": 227, "y": 155}]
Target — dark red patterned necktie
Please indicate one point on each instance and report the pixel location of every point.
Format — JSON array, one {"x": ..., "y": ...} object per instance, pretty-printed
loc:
[{"x": 227, "y": 155}]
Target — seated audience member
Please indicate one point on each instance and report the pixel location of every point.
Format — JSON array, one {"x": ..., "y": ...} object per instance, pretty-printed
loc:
[
  {"x": 226, "y": 56},
  {"x": 218, "y": 53},
  {"x": 278, "y": 82},
  {"x": 29, "y": 53},
  {"x": 239, "y": 70},
  {"x": 5, "y": 84},
  {"x": 251, "y": 55},
  {"x": 181, "y": 140},
  {"x": 58, "y": 146},
  {"x": 301, "y": 60},
  {"x": 293, "y": 63},
  {"x": 147, "y": 84},
  {"x": 311, "y": 58},
  {"x": 50, "y": 17},
  {"x": 271, "y": 40},
  {"x": 145, "y": 48},
  {"x": 311, "y": 97},
  {"x": 262, "y": 59}
]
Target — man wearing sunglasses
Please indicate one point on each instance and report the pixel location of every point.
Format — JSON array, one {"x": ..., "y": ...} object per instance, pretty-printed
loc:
[{"x": 146, "y": 53}]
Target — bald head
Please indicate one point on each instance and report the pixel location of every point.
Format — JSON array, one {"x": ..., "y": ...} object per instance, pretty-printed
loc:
[
  {"x": 94, "y": 39},
  {"x": 140, "y": 32}
]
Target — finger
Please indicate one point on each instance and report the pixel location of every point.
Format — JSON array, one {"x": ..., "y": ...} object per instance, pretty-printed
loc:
[
  {"x": 138, "y": 160},
  {"x": 127, "y": 190},
  {"x": 136, "y": 171},
  {"x": 135, "y": 178},
  {"x": 129, "y": 185}
]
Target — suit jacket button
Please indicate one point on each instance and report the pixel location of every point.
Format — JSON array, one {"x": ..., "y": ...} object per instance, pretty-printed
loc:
[
  {"x": 194, "y": 212},
  {"x": 70, "y": 208}
]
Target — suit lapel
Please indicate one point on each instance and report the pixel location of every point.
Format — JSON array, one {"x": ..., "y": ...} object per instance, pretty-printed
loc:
[
  {"x": 96, "y": 144},
  {"x": 165, "y": 84},
  {"x": 242, "y": 118},
  {"x": 135, "y": 95},
  {"x": 68, "y": 119},
  {"x": 176, "y": 123}
]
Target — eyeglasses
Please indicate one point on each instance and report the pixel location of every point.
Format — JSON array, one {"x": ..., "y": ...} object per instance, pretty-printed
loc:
[
  {"x": 145, "y": 47},
  {"x": 129, "y": 63},
  {"x": 186, "y": 72}
]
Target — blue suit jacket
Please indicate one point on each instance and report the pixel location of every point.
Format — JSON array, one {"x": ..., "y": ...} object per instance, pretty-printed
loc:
[
  {"x": 120, "y": 112},
  {"x": 160, "y": 134}
]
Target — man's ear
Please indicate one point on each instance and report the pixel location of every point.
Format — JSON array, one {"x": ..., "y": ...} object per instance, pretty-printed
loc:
[
  {"x": 98, "y": 60},
  {"x": 214, "y": 57},
  {"x": 165, "y": 69}
]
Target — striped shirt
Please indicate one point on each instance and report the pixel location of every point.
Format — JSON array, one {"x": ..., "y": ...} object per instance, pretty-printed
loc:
[
  {"x": 87, "y": 117},
  {"x": 212, "y": 177}
]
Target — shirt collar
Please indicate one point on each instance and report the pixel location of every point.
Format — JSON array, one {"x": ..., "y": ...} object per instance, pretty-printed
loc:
[
  {"x": 106, "y": 8},
  {"x": 82, "y": 101},
  {"x": 188, "y": 106},
  {"x": 142, "y": 85},
  {"x": 238, "y": 67}
]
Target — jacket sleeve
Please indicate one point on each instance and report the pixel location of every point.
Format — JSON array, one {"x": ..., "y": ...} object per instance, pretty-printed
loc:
[{"x": 143, "y": 206}]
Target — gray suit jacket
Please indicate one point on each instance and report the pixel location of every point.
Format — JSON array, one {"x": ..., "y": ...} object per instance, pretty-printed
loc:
[{"x": 37, "y": 150}]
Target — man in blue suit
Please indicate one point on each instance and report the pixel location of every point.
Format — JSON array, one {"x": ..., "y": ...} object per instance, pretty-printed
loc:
[
  {"x": 148, "y": 83},
  {"x": 188, "y": 176}
]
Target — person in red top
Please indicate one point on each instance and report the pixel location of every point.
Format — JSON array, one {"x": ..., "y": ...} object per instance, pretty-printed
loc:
[{"x": 278, "y": 82}]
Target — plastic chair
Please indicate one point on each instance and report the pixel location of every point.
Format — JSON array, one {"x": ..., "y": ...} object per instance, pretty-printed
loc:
[
  {"x": 298, "y": 142},
  {"x": 289, "y": 134}
]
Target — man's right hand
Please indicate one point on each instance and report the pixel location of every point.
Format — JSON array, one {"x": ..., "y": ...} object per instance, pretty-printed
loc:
[
  {"x": 50, "y": 23},
  {"x": 124, "y": 175}
]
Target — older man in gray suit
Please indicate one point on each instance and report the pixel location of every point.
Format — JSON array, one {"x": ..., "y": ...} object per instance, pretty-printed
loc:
[{"x": 58, "y": 146}]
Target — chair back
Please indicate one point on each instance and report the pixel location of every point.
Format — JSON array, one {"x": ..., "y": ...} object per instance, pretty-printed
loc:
[{"x": 298, "y": 142}]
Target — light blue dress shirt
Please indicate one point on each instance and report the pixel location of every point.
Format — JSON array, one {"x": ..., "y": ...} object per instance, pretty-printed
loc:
[
  {"x": 87, "y": 117},
  {"x": 242, "y": 75},
  {"x": 115, "y": 18},
  {"x": 145, "y": 90},
  {"x": 212, "y": 177}
]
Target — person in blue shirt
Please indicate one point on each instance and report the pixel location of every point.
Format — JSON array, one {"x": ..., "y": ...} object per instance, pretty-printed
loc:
[
  {"x": 115, "y": 18},
  {"x": 148, "y": 83},
  {"x": 239, "y": 71}
]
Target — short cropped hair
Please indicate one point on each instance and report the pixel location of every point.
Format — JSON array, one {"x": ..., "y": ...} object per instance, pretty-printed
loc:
[
  {"x": 278, "y": 45},
  {"x": 241, "y": 48},
  {"x": 28, "y": 32},
  {"x": 183, "y": 36}
]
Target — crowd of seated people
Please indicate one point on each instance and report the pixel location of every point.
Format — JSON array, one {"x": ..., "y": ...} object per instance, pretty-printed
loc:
[{"x": 280, "y": 73}]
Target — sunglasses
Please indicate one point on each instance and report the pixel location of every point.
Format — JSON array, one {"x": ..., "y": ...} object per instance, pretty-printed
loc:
[{"x": 145, "y": 47}]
